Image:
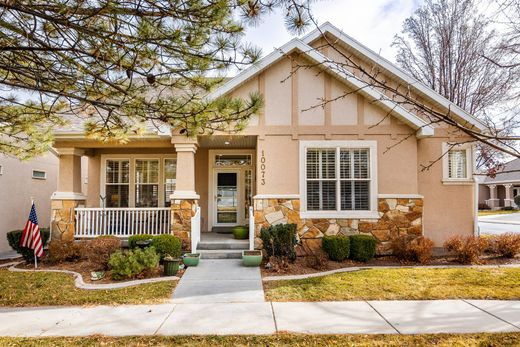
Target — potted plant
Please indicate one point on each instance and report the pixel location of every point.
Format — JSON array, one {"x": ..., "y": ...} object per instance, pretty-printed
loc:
[
  {"x": 171, "y": 265},
  {"x": 191, "y": 259},
  {"x": 251, "y": 258},
  {"x": 241, "y": 232}
]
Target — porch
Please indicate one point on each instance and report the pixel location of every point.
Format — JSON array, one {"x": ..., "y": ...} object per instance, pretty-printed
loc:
[{"x": 184, "y": 187}]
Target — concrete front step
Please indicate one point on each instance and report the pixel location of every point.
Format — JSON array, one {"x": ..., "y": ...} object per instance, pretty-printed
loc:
[
  {"x": 220, "y": 254},
  {"x": 214, "y": 245}
]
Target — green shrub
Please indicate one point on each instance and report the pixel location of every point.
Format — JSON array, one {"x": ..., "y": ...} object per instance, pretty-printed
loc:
[
  {"x": 132, "y": 240},
  {"x": 131, "y": 263},
  {"x": 167, "y": 245},
  {"x": 337, "y": 247},
  {"x": 13, "y": 237},
  {"x": 280, "y": 240},
  {"x": 517, "y": 200},
  {"x": 362, "y": 247}
]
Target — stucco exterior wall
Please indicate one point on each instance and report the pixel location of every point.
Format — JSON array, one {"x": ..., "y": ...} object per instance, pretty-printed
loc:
[
  {"x": 448, "y": 209},
  {"x": 16, "y": 189}
]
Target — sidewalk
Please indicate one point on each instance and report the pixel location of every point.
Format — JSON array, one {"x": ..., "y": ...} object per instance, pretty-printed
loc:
[
  {"x": 219, "y": 281},
  {"x": 352, "y": 317}
]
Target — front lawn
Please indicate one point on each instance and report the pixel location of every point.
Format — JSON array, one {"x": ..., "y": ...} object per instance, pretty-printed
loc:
[
  {"x": 45, "y": 288},
  {"x": 401, "y": 284},
  {"x": 483, "y": 213},
  {"x": 440, "y": 340}
]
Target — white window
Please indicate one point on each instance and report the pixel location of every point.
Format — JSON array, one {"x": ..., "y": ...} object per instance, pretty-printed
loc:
[
  {"x": 457, "y": 163},
  {"x": 338, "y": 179},
  {"x": 170, "y": 174},
  {"x": 117, "y": 183},
  {"x": 39, "y": 174},
  {"x": 146, "y": 183},
  {"x": 137, "y": 180},
  {"x": 1, "y": 170}
]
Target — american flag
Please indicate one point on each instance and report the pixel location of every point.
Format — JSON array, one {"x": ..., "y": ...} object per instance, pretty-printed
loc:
[{"x": 31, "y": 237}]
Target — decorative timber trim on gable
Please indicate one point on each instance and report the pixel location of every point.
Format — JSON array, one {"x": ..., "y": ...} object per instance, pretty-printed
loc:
[
  {"x": 423, "y": 128},
  {"x": 395, "y": 71}
]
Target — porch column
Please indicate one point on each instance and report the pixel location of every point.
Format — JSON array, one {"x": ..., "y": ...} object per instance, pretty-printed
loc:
[
  {"x": 184, "y": 200},
  {"x": 492, "y": 202},
  {"x": 68, "y": 196},
  {"x": 508, "y": 201}
]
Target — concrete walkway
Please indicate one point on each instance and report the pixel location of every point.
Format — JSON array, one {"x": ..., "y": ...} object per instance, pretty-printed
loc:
[
  {"x": 220, "y": 281},
  {"x": 348, "y": 317}
]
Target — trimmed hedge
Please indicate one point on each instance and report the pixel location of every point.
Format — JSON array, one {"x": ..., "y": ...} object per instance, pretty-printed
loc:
[
  {"x": 167, "y": 245},
  {"x": 13, "y": 237},
  {"x": 337, "y": 247},
  {"x": 132, "y": 240},
  {"x": 130, "y": 264},
  {"x": 362, "y": 247},
  {"x": 280, "y": 240}
]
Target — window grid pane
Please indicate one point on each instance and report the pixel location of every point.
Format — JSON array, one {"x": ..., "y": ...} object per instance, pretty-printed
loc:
[
  {"x": 170, "y": 175},
  {"x": 322, "y": 179},
  {"x": 457, "y": 165}
]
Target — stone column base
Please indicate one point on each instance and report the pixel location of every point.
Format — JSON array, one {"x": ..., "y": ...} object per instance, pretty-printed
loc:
[
  {"x": 493, "y": 203},
  {"x": 63, "y": 220},
  {"x": 182, "y": 211}
]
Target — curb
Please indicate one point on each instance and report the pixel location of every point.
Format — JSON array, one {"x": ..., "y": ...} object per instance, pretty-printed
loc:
[
  {"x": 498, "y": 222},
  {"x": 79, "y": 283},
  {"x": 360, "y": 268}
]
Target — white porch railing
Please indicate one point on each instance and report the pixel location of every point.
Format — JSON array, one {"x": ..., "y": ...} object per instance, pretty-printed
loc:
[
  {"x": 195, "y": 230},
  {"x": 121, "y": 222},
  {"x": 251, "y": 228}
]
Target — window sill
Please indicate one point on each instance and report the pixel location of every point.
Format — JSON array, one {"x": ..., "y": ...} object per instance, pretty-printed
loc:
[
  {"x": 461, "y": 182},
  {"x": 340, "y": 215}
]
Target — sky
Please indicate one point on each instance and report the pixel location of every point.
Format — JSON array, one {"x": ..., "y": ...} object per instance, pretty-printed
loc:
[{"x": 374, "y": 23}]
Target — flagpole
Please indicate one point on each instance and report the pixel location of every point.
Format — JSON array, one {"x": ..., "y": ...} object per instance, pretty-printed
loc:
[{"x": 34, "y": 249}]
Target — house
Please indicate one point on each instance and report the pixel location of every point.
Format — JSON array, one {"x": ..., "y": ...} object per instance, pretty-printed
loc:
[
  {"x": 19, "y": 182},
  {"x": 500, "y": 191},
  {"x": 344, "y": 168}
]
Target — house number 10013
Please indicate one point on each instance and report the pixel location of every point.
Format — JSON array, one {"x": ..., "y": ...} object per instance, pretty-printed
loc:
[{"x": 262, "y": 169}]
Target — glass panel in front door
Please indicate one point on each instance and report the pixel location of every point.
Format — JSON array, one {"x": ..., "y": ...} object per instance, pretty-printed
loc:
[{"x": 227, "y": 197}]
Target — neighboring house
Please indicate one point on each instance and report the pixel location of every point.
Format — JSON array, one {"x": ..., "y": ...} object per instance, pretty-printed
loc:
[
  {"x": 19, "y": 182},
  {"x": 329, "y": 170},
  {"x": 500, "y": 191}
]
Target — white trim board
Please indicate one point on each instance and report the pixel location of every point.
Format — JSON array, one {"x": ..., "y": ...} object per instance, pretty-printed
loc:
[
  {"x": 415, "y": 122},
  {"x": 394, "y": 70}
]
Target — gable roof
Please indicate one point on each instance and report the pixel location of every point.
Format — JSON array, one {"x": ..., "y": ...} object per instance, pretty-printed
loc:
[
  {"x": 510, "y": 173},
  {"x": 417, "y": 123},
  {"x": 395, "y": 71}
]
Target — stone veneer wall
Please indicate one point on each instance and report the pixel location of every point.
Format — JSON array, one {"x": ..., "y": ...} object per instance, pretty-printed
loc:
[
  {"x": 398, "y": 216},
  {"x": 63, "y": 219},
  {"x": 182, "y": 211}
]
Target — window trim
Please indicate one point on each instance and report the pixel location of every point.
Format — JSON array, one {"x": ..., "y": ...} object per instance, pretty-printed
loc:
[
  {"x": 39, "y": 178},
  {"x": 132, "y": 185},
  {"x": 469, "y": 148},
  {"x": 354, "y": 144}
]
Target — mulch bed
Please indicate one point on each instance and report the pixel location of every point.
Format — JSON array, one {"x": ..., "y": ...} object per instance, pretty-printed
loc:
[
  {"x": 301, "y": 265},
  {"x": 85, "y": 267}
]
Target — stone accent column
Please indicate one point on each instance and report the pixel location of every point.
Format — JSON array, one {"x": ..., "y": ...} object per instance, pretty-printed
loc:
[
  {"x": 493, "y": 201},
  {"x": 69, "y": 194},
  {"x": 184, "y": 200},
  {"x": 508, "y": 201}
]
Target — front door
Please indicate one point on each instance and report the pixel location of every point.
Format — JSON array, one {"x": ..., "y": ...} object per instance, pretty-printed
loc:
[{"x": 227, "y": 197}]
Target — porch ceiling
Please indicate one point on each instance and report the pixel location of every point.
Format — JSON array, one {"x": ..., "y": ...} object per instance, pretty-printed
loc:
[{"x": 227, "y": 141}]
